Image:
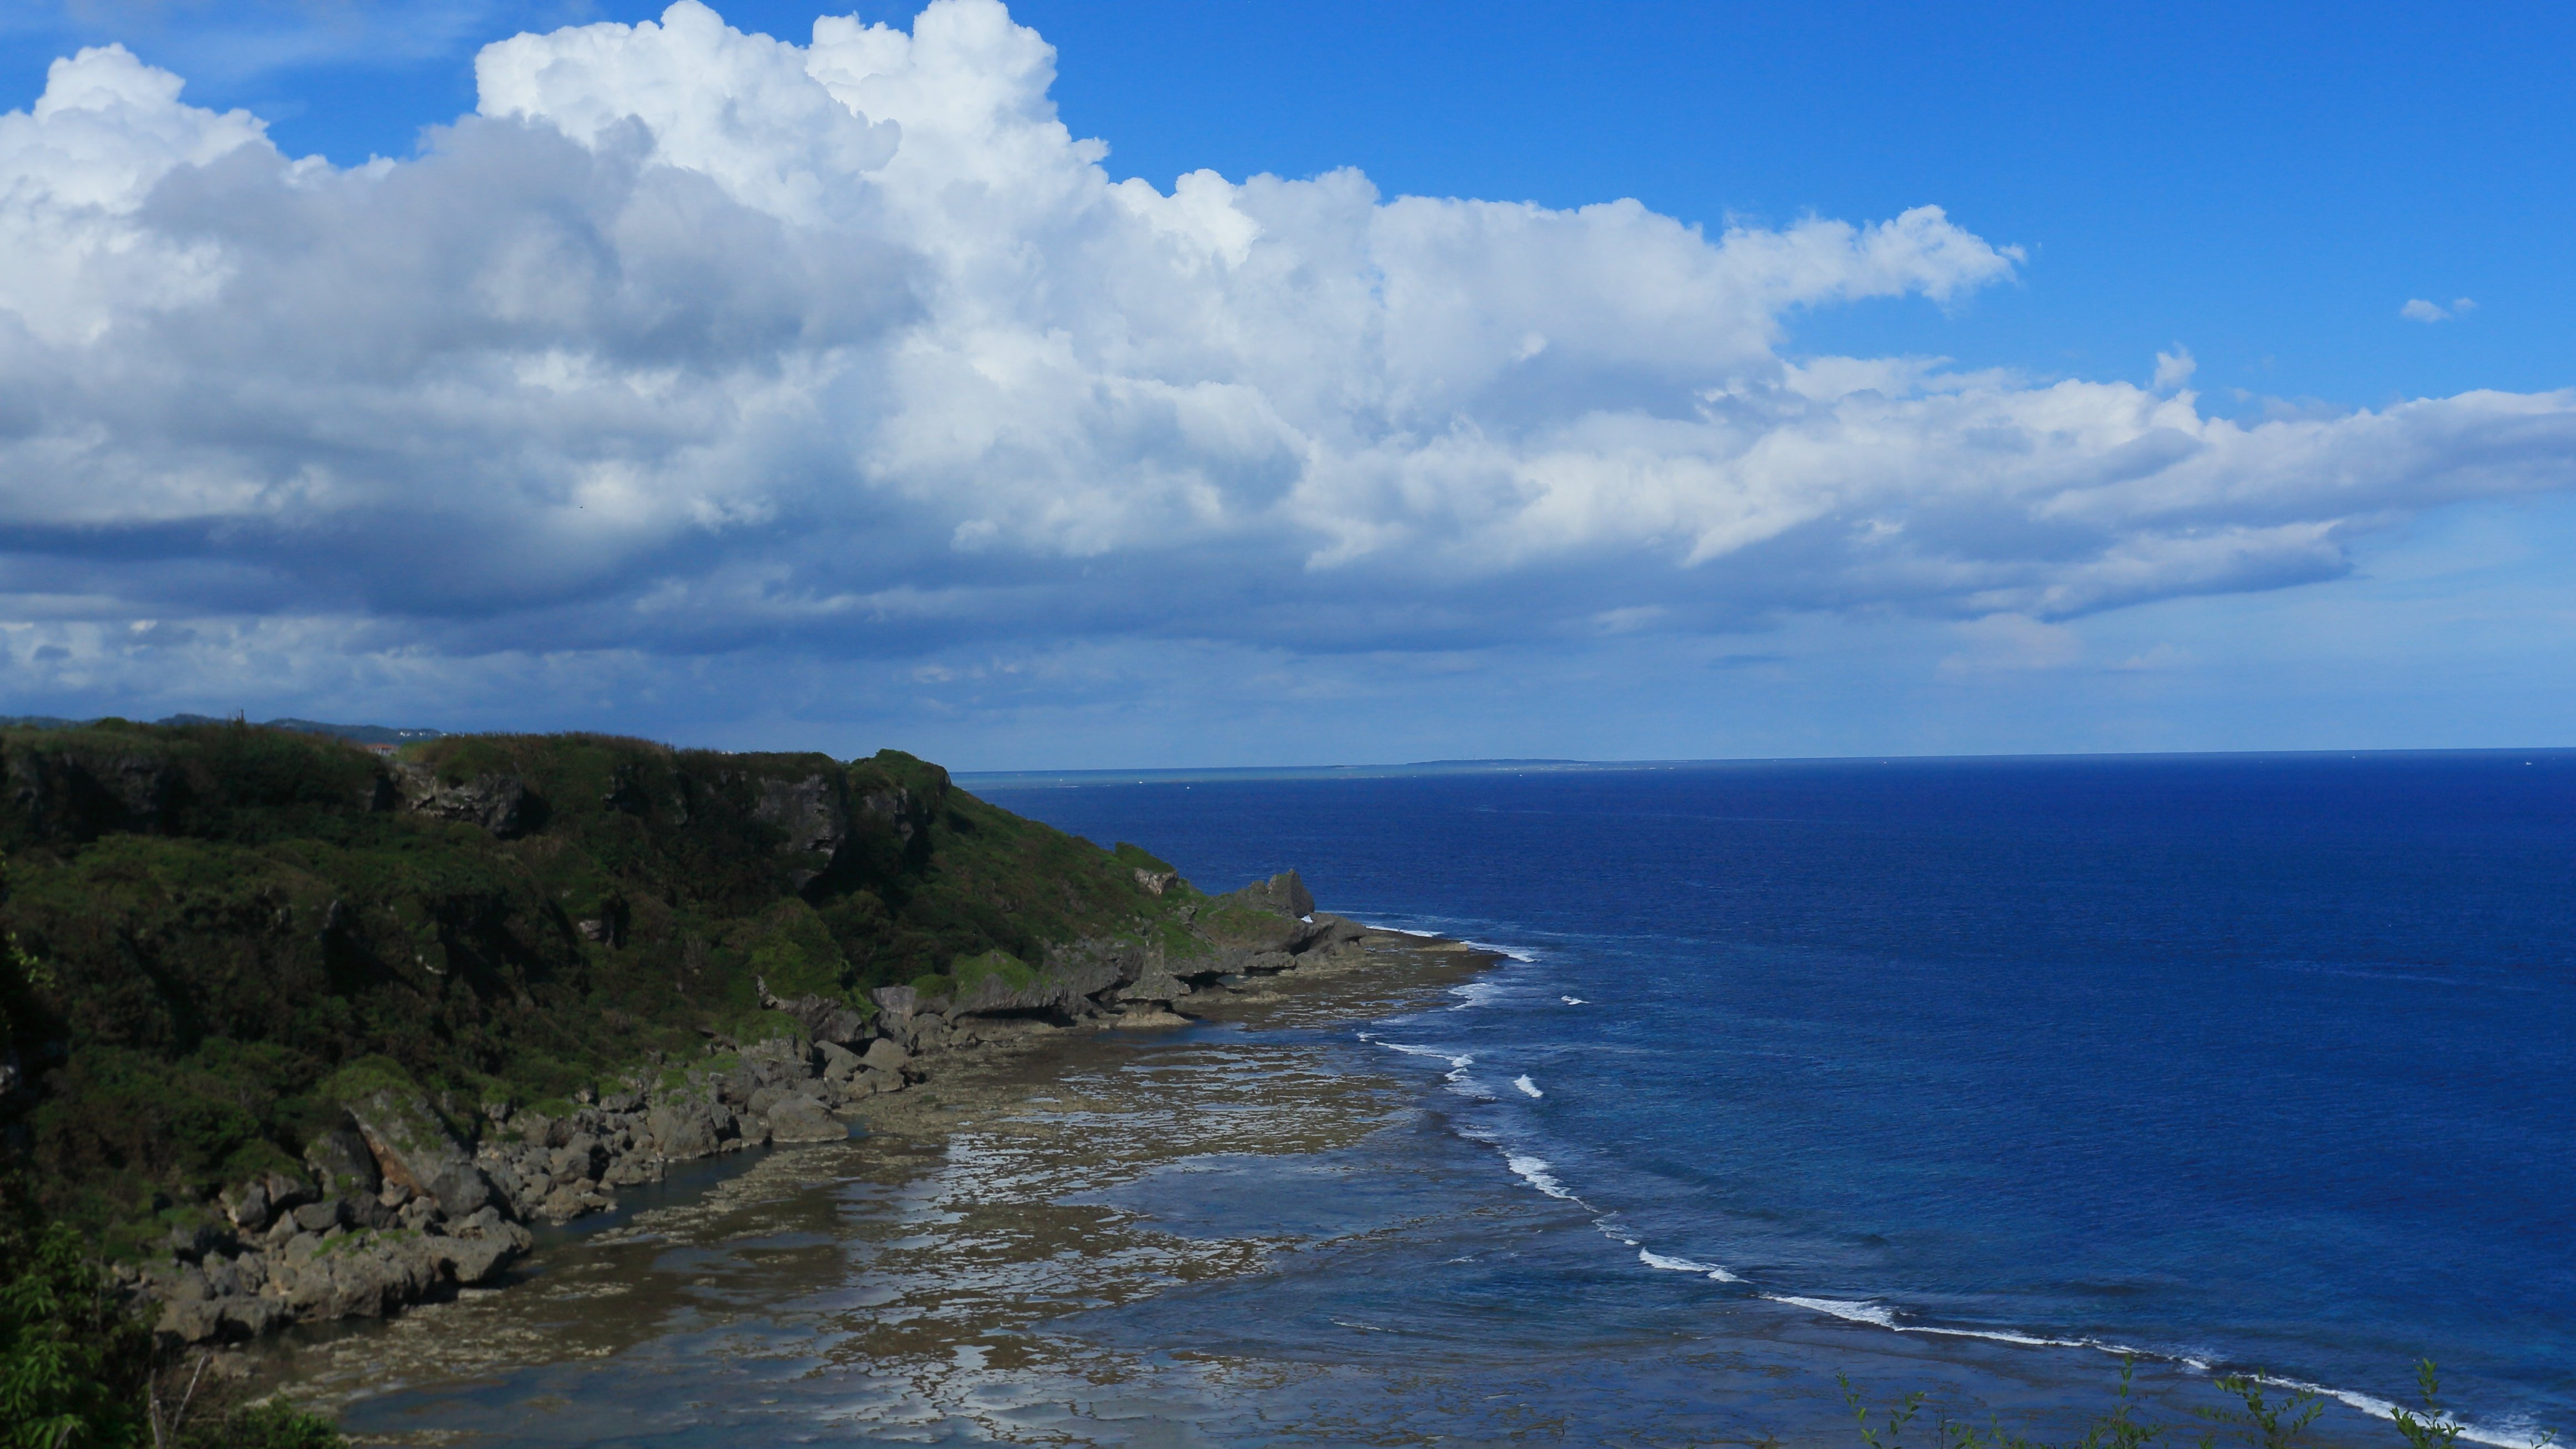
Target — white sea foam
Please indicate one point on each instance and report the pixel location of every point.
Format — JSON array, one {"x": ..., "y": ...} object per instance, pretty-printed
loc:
[
  {"x": 1456, "y": 1063},
  {"x": 1685, "y": 1265},
  {"x": 1879, "y": 1316},
  {"x": 1533, "y": 1170},
  {"x": 1526, "y": 1085},
  {"x": 1474, "y": 993},
  {"x": 1511, "y": 953},
  {"x": 1574, "y": 1001},
  {"x": 2379, "y": 1408},
  {"x": 1840, "y": 1308}
]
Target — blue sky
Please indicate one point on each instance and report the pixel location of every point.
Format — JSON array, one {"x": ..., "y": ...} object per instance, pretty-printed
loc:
[{"x": 1566, "y": 486}]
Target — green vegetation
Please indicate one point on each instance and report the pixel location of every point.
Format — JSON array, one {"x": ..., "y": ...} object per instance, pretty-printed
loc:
[
  {"x": 77, "y": 1372},
  {"x": 217, "y": 933},
  {"x": 2260, "y": 1417}
]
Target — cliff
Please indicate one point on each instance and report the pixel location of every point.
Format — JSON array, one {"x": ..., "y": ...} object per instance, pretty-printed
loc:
[{"x": 308, "y": 1030}]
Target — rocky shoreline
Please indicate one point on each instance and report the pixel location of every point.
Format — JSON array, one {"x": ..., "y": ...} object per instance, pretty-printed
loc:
[{"x": 400, "y": 1206}]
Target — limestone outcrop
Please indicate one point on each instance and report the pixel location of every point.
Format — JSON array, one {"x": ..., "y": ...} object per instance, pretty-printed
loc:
[{"x": 395, "y": 1209}]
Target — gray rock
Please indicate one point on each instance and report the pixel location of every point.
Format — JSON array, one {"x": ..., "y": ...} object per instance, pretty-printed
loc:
[
  {"x": 194, "y": 1320},
  {"x": 1156, "y": 987},
  {"x": 573, "y": 1199},
  {"x": 285, "y": 1192},
  {"x": 582, "y": 1157},
  {"x": 824, "y": 1019},
  {"x": 1329, "y": 931},
  {"x": 461, "y": 1190},
  {"x": 885, "y": 1056},
  {"x": 630, "y": 1170},
  {"x": 318, "y": 1217},
  {"x": 498, "y": 803},
  {"x": 878, "y": 1080},
  {"x": 839, "y": 1062},
  {"x": 814, "y": 813},
  {"x": 683, "y": 1130},
  {"x": 411, "y": 1145},
  {"x": 248, "y": 1317},
  {"x": 802, "y": 1119},
  {"x": 190, "y": 1243},
  {"x": 247, "y": 1205},
  {"x": 343, "y": 1164}
]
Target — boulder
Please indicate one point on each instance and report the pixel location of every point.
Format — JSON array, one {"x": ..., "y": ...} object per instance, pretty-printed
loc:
[
  {"x": 247, "y": 1205},
  {"x": 248, "y": 1316},
  {"x": 286, "y": 1192},
  {"x": 318, "y": 1217},
  {"x": 313, "y": 1286},
  {"x": 572, "y": 1199},
  {"x": 461, "y": 1189},
  {"x": 412, "y": 1147},
  {"x": 1327, "y": 931},
  {"x": 194, "y": 1241},
  {"x": 802, "y": 1119},
  {"x": 1157, "y": 986},
  {"x": 682, "y": 1130},
  {"x": 343, "y": 1164},
  {"x": 474, "y": 1260},
  {"x": 193, "y": 1320},
  {"x": 839, "y": 1062},
  {"x": 884, "y": 1056},
  {"x": 824, "y": 1019}
]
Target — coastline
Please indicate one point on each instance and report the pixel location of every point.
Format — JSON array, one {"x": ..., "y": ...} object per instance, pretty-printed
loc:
[
  {"x": 1037, "y": 1089},
  {"x": 1025, "y": 1248}
]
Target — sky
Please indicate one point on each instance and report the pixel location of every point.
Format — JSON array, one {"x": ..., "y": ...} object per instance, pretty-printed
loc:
[{"x": 1081, "y": 386}]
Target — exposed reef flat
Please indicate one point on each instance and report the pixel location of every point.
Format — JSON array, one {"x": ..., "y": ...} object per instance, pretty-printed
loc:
[
  {"x": 976, "y": 1207},
  {"x": 300, "y": 1031}
]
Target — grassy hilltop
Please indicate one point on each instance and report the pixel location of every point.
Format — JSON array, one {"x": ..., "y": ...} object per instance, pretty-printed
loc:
[{"x": 215, "y": 921}]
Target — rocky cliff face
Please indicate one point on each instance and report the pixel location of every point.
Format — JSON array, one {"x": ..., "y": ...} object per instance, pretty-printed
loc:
[
  {"x": 278, "y": 978},
  {"x": 395, "y": 1210}
]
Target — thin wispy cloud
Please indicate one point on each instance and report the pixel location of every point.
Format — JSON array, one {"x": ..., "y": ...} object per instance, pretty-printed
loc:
[
  {"x": 2419, "y": 310},
  {"x": 690, "y": 342}
]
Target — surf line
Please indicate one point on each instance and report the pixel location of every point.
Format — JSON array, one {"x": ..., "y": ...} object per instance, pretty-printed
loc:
[
  {"x": 1540, "y": 1174},
  {"x": 1526, "y": 955}
]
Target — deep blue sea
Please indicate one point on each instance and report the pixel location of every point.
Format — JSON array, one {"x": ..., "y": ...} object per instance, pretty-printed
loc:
[{"x": 2245, "y": 1062}]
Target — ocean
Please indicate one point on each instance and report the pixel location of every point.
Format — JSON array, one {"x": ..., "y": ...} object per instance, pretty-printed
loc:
[
  {"x": 1966, "y": 1077},
  {"x": 2260, "y": 1063}
]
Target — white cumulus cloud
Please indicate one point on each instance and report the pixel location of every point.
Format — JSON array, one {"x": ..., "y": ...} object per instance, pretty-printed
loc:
[{"x": 691, "y": 341}]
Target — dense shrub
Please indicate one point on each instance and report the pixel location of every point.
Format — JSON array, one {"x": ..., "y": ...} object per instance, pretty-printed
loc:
[{"x": 218, "y": 918}]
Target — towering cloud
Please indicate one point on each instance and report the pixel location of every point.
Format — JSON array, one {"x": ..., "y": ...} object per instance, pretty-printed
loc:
[{"x": 689, "y": 340}]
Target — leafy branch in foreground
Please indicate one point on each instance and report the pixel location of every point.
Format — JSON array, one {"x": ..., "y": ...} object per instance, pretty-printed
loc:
[{"x": 77, "y": 1371}]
